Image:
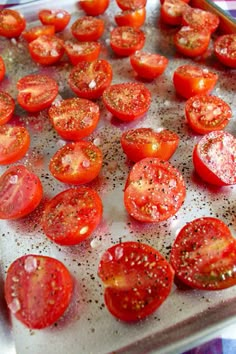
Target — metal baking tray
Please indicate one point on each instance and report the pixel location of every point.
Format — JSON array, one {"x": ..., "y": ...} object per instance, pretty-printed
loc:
[{"x": 187, "y": 317}]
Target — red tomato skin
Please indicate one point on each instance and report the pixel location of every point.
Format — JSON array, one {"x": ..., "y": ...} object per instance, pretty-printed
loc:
[
  {"x": 151, "y": 144},
  {"x": 25, "y": 202},
  {"x": 200, "y": 18},
  {"x": 207, "y": 169},
  {"x": 125, "y": 47},
  {"x": 127, "y": 280},
  {"x": 32, "y": 33},
  {"x": 146, "y": 70},
  {"x": 190, "y": 80},
  {"x": 29, "y": 83},
  {"x": 81, "y": 173},
  {"x": 203, "y": 255},
  {"x": 133, "y": 18},
  {"x": 132, "y": 110},
  {"x": 171, "y": 11},
  {"x": 131, "y": 4},
  {"x": 11, "y": 30},
  {"x": 58, "y": 18},
  {"x": 21, "y": 143},
  {"x": 74, "y": 128},
  {"x": 2, "y": 69},
  {"x": 7, "y": 107},
  {"x": 85, "y": 215},
  {"x": 198, "y": 121},
  {"x": 86, "y": 55},
  {"x": 38, "y": 304},
  {"x": 88, "y": 29},
  {"x": 41, "y": 50},
  {"x": 99, "y": 73},
  {"x": 224, "y": 49},
  {"x": 94, "y": 7}
]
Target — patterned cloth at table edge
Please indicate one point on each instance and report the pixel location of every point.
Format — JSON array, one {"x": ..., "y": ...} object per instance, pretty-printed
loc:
[{"x": 215, "y": 346}]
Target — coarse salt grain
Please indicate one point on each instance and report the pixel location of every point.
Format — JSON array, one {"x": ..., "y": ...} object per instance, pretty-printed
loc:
[
  {"x": 15, "y": 306},
  {"x": 92, "y": 84},
  {"x": 30, "y": 264},
  {"x": 13, "y": 179}
]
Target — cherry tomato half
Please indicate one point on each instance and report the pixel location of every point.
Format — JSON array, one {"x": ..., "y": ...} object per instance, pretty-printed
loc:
[
  {"x": 46, "y": 49},
  {"x": 89, "y": 80},
  {"x": 190, "y": 80},
  {"x": 155, "y": 190},
  {"x": 138, "y": 279},
  {"x": 192, "y": 41},
  {"x": 34, "y": 32},
  {"x": 38, "y": 290},
  {"x": 203, "y": 255},
  {"x": 12, "y": 23},
  {"x": 7, "y": 107},
  {"x": 83, "y": 51},
  {"x": 131, "y": 4},
  {"x": 76, "y": 163},
  {"x": 94, "y": 7},
  {"x": 2, "y": 69},
  {"x": 225, "y": 49},
  {"x": 87, "y": 28},
  {"x": 58, "y": 18},
  {"x": 71, "y": 216},
  {"x": 214, "y": 158},
  {"x": 145, "y": 142},
  {"x": 126, "y": 40},
  {"x": 206, "y": 113},
  {"x": 36, "y": 92},
  {"x": 148, "y": 65},
  {"x": 20, "y": 192},
  {"x": 133, "y": 18},
  {"x": 74, "y": 118},
  {"x": 14, "y": 143},
  {"x": 171, "y": 11},
  {"x": 127, "y": 101},
  {"x": 195, "y": 17}
]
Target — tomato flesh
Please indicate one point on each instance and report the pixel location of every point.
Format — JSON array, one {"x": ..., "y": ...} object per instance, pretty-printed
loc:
[
  {"x": 83, "y": 51},
  {"x": 94, "y": 7},
  {"x": 71, "y": 216},
  {"x": 171, "y": 11},
  {"x": 206, "y": 113},
  {"x": 203, "y": 255},
  {"x": 20, "y": 192},
  {"x": 38, "y": 290},
  {"x": 34, "y": 32},
  {"x": 154, "y": 190},
  {"x": 58, "y": 18},
  {"x": 46, "y": 49},
  {"x": 225, "y": 49},
  {"x": 127, "y": 101},
  {"x": 200, "y": 18},
  {"x": 12, "y": 23},
  {"x": 133, "y": 18},
  {"x": 131, "y": 4},
  {"x": 2, "y": 69},
  {"x": 88, "y": 28},
  {"x": 126, "y": 40},
  {"x": 214, "y": 158},
  {"x": 7, "y": 107},
  {"x": 138, "y": 280},
  {"x": 148, "y": 65}
]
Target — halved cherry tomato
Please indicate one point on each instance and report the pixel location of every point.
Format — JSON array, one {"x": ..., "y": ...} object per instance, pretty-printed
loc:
[
  {"x": 74, "y": 118},
  {"x": 87, "y": 28},
  {"x": 38, "y": 290},
  {"x": 171, "y": 11},
  {"x": 225, "y": 49},
  {"x": 145, "y": 142},
  {"x": 58, "y": 18},
  {"x": 192, "y": 41},
  {"x": 83, "y": 51},
  {"x": 138, "y": 279},
  {"x": 20, "y": 192},
  {"x": 206, "y": 113},
  {"x": 200, "y": 18},
  {"x": 214, "y": 158},
  {"x": 94, "y": 7},
  {"x": 204, "y": 255},
  {"x": 131, "y": 4},
  {"x": 46, "y": 50},
  {"x": 89, "y": 80},
  {"x": 71, "y": 216},
  {"x": 34, "y": 32},
  {"x": 2, "y": 69},
  {"x": 126, "y": 40},
  {"x": 7, "y": 107},
  {"x": 76, "y": 163},
  {"x": 148, "y": 65},
  {"x": 190, "y": 80},
  {"x": 12, "y": 23},
  {"x": 155, "y": 190},
  {"x": 36, "y": 92},
  {"x": 133, "y": 18},
  {"x": 127, "y": 101},
  {"x": 14, "y": 143}
]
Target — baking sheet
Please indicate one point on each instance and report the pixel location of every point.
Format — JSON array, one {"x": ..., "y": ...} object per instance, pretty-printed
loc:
[{"x": 186, "y": 317}]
